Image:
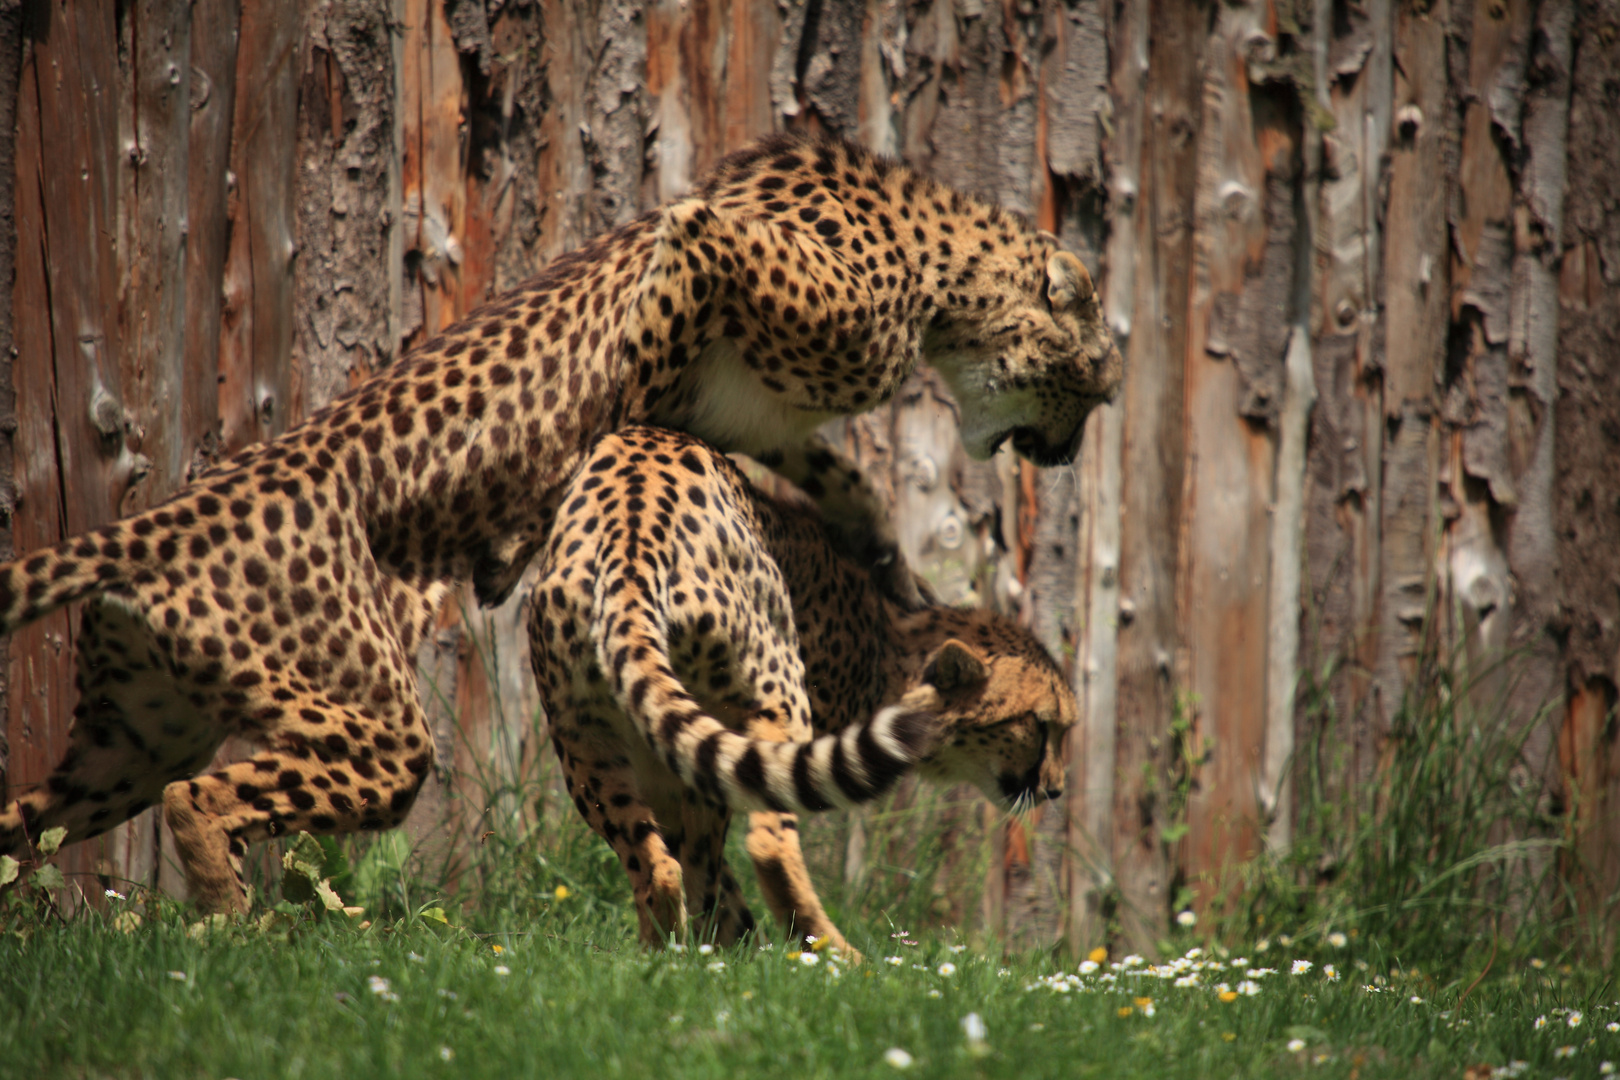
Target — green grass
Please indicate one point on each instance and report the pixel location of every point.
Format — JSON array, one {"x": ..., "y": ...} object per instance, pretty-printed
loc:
[
  {"x": 1447, "y": 879},
  {"x": 84, "y": 999}
]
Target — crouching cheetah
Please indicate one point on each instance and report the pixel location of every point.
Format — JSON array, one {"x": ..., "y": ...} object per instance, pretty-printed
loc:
[
  {"x": 688, "y": 633},
  {"x": 281, "y": 595}
]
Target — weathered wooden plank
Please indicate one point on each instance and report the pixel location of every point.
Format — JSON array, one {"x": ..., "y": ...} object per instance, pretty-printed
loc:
[
  {"x": 1587, "y": 445},
  {"x": 346, "y": 199},
  {"x": 1482, "y": 480},
  {"x": 434, "y": 191},
  {"x": 564, "y": 172},
  {"x": 506, "y": 101},
  {"x": 11, "y": 62},
  {"x": 1093, "y": 750},
  {"x": 1416, "y": 250},
  {"x": 1533, "y": 345},
  {"x": 1345, "y": 454},
  {"x": 708, "y": 67},
  {"x": 1274, "y": 792},
  {"x": 155, "y": 126},
  {"x": 214, "y": 30},
  {"x": 75, "y": 465},
  {"x": 1242, "y": 289},
  {"x": 1151, "y": 649},
  {"x": 257, "y": 322},
  {"x": 154, "y": 99}
]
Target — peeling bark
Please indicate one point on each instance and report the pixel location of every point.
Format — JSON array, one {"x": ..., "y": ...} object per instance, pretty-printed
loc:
[
  {"x": 348, "y": 199},
  {"x": 1586, "y": 493}
]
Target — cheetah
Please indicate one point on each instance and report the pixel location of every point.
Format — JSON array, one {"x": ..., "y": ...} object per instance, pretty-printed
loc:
[
  {"x": 688, "y": 634},
  {"x": 280, "y": 596}
]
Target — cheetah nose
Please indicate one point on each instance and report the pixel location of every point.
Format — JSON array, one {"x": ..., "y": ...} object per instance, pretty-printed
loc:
[{"x": 1054, "y": 792}]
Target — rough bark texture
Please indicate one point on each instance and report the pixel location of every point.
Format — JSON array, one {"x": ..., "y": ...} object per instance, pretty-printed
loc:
[
  {"x": 222, "y": 213},
  {"x": 1586, "y": 507}
]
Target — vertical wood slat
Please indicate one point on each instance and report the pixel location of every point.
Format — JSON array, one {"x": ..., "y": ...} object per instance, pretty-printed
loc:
[
  {"x": 66, "y": 302},
  {"x": 11, "y": 62},
  {"x": 1151, "y": 651},
  {"x": 1533, "y": 344},
  {"x": 1588, "y": 443},
  {"x": 1343, "y": 490},
  {"x": 1092, "y": 783},
  {"x": 1242, "y": 274},
  {"x": 214, "y": 29},
  {"x": 256, "y": 333},
  {"x": 155, "y": 129}
]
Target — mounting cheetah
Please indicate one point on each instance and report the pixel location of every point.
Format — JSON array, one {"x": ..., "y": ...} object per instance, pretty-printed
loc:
[{"x": 281, "y": 595}]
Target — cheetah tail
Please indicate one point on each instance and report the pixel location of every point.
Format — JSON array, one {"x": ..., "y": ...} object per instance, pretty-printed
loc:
[
  {"x": 48, "y": 578},
  {"x": 841, "y": 769}
]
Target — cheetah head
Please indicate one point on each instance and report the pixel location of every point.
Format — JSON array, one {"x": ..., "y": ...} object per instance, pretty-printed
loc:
[
  {"x": 1028, "y": 359},
  {"x": 1006, "y": 709}
]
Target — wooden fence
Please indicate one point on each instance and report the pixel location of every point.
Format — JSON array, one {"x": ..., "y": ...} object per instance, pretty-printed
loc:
[{"x": 1362, "y": 258}]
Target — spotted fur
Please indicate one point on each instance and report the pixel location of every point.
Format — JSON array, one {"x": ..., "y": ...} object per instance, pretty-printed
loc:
[
  {"x": 280, "y": 596},
  {"x": 690, "y": 634}
]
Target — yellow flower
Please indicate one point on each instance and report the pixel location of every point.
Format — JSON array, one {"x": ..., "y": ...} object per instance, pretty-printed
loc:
[
  {"x": 498, "y": 949},
  {"x": 793, "y": 955},
  {"x": 1124, "y": 1010},
  {"x": 1097, "y": 955},
  {"x": 1228, "y": 995},
  {"x": 1142, "y": 1002},
  {"x": 560, "y": 892},
  {"x": 1228, "y": 1036}
]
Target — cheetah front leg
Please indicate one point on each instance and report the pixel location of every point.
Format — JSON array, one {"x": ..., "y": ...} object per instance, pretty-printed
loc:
[
  {"x": 773, "y": 845},
  {"x": 790, "y": 332},
  {"x": 313, "y": 780}
]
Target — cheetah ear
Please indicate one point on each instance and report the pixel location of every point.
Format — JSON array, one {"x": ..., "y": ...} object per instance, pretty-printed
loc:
[
  {"x": 1067, "y": 282},
  {"x": 955, "y": 666}
]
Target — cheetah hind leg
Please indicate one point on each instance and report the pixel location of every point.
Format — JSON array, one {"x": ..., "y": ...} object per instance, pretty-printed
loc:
[
  {"x": 603, "y": 787},
  {"x": 719, "y": 912},
  {"x": 773, "y": 845},
  {"x": 131, "y": 734},
  {"x": 217, "y": 816}
]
